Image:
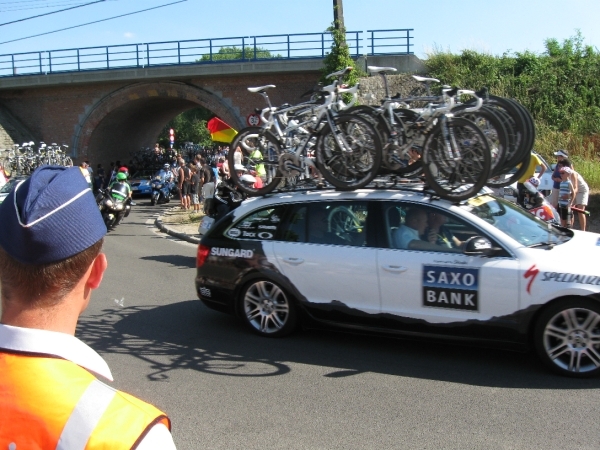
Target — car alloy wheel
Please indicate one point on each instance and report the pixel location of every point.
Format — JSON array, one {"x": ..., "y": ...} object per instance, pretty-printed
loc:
[
  {"x": 568, "y": 338},
  {"x": 267, "y": 309}
]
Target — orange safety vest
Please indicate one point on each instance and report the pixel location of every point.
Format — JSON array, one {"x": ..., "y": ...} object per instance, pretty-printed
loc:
[{"x": 52, "y": 403}]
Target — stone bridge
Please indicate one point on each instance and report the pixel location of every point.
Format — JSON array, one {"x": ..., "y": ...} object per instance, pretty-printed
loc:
[{"x": 108, "y": 114}]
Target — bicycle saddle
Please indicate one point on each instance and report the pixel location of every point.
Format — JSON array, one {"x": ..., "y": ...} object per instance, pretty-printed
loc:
[
  {"x": 261, "y": 88},
  {"x": 424, "y": 79},
  {"x": 375, "y": 69}
]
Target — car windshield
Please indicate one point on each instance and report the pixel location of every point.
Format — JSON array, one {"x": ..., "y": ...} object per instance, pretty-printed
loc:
[
  {"x": 519, "y": 224},
  {"x": 6, "y": 188}
]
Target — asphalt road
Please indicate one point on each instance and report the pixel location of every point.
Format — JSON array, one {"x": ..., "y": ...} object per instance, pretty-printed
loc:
[{"x": 225, "y": 388}]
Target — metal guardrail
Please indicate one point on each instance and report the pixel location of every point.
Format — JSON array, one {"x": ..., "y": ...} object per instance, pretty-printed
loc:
[{"x": 201, "y": 51}]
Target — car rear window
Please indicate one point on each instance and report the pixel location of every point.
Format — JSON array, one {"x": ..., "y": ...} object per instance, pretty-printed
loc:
[{"x": 263, "y": 224}]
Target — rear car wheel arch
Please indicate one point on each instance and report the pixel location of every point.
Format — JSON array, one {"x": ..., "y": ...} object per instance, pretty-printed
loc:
[{"x": 267, "y": 308}]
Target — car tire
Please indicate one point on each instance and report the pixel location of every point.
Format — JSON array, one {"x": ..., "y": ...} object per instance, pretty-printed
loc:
[
  {"x": 567, "y": 337},
  {"x": 267, "y": 309}
]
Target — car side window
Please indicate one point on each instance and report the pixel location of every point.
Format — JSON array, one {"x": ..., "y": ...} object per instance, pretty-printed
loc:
[
  {"x": 421, "y": 227},
  {"x": 295, "y": 229},
  {"x": 338, "y": 223},
  {"x": 261, "y": 225}
]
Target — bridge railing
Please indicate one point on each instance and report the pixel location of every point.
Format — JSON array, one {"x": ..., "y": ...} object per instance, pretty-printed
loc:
[{"x": 202, "y": 51}]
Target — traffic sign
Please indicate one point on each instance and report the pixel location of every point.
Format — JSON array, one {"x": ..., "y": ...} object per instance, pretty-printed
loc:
[{"x": 253, "y": 120}]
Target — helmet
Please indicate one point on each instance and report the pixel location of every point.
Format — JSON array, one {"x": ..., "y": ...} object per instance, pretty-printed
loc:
[
  {"x": 124, "y": 170},
  {"x": 239, "y": 168},
  {"x": 248, "y": 180},
  {"x": 121, "y": 176},
  {"x": 529, "y": 187},
  {"x": 167, "y": 166},
  {"x": 534, "y": 181}
]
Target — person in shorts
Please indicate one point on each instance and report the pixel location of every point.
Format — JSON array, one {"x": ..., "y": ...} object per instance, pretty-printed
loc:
[
  {"x": 195, "y": 187},
  {"x": 566, "y": 197},
  {"x": 560, "y": 156}
]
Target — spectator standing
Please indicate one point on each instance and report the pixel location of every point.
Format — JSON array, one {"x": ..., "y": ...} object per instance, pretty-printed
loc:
[
  {"x": 556, "y": 179},
  {"x": 83, "y": 167},
  {"x": 237, "y": 156},
  {"x": 100, "y": 178},
  {"x": 51, "y": 237},
  {"x": 581, "y": 193},
  {"x": 195, "y": 187},
  {"x": 185, "y": 178},
  {"x": 566, "y": 197},
  {"x": 208, "y": 186}
]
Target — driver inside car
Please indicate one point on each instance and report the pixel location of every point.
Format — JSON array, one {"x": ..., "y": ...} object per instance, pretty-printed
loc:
[{"x": 409, "y": 235}]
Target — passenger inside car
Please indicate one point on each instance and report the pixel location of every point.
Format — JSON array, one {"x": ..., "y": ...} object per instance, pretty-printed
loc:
[
  {"x": 318, "y": 229},
  {"x": 412, "y": 234},
  {"x": 438, "y": 233}
]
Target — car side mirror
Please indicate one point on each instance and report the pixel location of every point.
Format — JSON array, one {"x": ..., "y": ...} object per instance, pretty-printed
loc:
[{"x": 480, "y": 246}]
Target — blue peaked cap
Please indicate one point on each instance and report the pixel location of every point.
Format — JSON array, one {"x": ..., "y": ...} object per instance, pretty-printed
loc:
[{"x": 49, "y": 217}]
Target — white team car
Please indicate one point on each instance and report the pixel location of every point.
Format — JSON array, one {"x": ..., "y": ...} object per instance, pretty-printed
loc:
[{"x": 484, "y": 270}]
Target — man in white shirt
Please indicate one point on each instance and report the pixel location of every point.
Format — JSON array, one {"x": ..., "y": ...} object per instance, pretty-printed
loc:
[{"x": 51, "y": 237}]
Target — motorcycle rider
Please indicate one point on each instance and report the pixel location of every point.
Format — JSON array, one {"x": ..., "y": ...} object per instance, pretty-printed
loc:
[
  {"x": 120, "y": 190},
  {"x": 166, "y": 174}
]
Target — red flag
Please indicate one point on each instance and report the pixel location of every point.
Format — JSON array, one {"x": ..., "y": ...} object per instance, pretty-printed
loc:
[{"x": 220, "y": 131}]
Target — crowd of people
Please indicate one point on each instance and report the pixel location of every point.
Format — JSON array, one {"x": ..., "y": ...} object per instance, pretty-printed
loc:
[{"x": 204, "y": 183}]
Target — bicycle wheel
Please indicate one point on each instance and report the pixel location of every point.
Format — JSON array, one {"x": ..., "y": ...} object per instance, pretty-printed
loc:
[
  {"x": 502, "y": 181},
  {"x": 493, "y": 129},
  {"x": 455, "y": 177},
  {"x": 516, "y": 126},
  {"x": 260, "y": 153},
  {"x": 405, "y": 167},
  {"x": 355, "y": 166}
]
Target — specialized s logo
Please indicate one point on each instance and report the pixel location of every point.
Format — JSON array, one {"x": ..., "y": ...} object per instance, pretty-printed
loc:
[{"x": 532, "y": 272}]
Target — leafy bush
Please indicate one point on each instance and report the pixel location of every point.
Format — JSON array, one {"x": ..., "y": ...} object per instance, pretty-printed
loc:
[
  {"x": 560, "y": 87},
  {"x": 235, "y": 53}
]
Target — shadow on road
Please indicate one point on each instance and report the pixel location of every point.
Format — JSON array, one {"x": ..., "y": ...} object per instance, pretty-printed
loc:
[{"x": 187, "y": 335}]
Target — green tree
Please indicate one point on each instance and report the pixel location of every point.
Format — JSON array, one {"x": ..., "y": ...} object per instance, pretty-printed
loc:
[
  {"x": 189, "y": 126},
  {"x": 339, "y": 57},
  {"x": 235, "y": 53}
]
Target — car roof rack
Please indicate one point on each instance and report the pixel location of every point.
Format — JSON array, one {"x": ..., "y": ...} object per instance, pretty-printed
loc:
[{"x": 388, "y": 182}]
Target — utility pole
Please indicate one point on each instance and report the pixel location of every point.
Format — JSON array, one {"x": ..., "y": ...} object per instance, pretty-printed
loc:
[{"x": 338, "y": 14}]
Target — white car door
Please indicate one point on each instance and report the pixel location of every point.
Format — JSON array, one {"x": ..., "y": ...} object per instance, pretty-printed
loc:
[
  {"x": 336, "y": 268},
  {"x": 441, "y": 286}
]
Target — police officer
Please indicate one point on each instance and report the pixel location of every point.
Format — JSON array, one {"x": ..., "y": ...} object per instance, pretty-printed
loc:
[{"x": 51, "y": 236}]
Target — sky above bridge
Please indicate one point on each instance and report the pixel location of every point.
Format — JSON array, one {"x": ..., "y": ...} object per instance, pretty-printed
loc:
[{"x": 492, "y": 26}]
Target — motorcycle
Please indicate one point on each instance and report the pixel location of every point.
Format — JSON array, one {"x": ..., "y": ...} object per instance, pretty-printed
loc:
[
  {"x": 161, "y": 190},
  {"x": 114, "y": 205}
]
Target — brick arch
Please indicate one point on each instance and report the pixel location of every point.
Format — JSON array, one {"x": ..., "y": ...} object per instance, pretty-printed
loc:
[{"x": 132, "y": 117}]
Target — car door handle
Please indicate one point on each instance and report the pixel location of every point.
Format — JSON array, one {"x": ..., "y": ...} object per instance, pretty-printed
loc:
[
  {"x": 293, "y": 260},
  {"x": 395, "y": 269}
]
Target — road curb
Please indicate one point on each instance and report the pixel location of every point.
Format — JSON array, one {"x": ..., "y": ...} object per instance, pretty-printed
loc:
[{"x": 165, "y": 229}]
